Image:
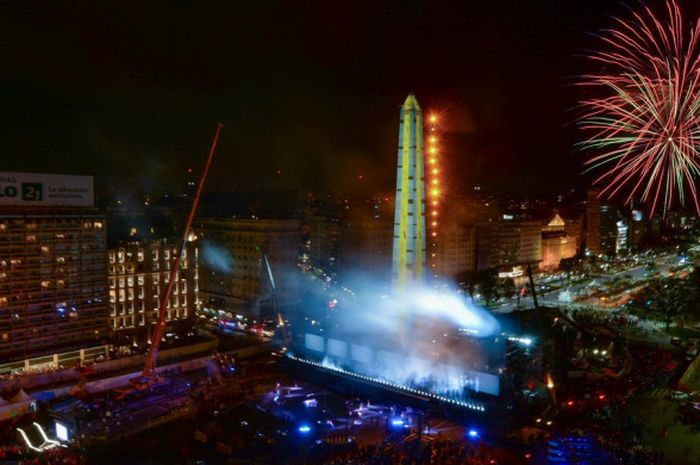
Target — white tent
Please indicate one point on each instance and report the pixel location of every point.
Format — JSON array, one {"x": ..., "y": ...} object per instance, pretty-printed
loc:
[{"x": 21, "y": 396}]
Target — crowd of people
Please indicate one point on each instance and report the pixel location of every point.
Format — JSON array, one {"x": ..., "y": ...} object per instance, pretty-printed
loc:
[
  {"x": 23, "y": 456},
  {"x": 11, "y": 452},
  {"x": 31, "y": 371},
  {"x": 436, "y": 452},
  {"x": 56, "y": 457},
  {"x": 621, "y": 435},
  {"x": 605, "y": 415}
]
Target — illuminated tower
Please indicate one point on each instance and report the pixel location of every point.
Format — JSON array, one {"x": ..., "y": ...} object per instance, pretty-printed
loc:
[
  {"x": 408, "y": 263},
  {"x": 433, "y": 161}
]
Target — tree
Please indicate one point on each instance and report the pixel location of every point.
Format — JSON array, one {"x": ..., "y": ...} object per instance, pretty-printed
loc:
[
  {"x": 488, "y": 285},
  {"x": 691, "y": 290},
  {"x": 662, "y": 300},
  {"x": 567, "y": 265},
  {"x": 467, "y": 281}
]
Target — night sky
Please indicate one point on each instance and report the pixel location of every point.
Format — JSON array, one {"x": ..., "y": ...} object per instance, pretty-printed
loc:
[{"x": 131, "y": 92}]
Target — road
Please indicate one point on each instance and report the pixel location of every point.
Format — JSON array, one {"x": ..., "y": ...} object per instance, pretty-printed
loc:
[{"x": 637, "y": 274}]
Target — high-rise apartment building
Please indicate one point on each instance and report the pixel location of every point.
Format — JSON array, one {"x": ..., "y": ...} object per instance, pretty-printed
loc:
[
  {"x": 53, "y": 274},
  {"x": 593, "y": 204},
  {"x": 324, "y": 240}
]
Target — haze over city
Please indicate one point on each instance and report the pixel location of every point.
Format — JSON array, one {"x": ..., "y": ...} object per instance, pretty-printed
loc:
[{"x": 358, "y": 233}]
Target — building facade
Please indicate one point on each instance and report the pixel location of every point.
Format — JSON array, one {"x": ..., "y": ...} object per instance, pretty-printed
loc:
[
  {"x": 604, "y": 232},
  {"x": 53, "y": 281},
  {"x": 366, "y": 246},
  {"x": 610, "y": 230},
  {"x": 138, "y": 277},
  {"x": 456, "y": 249},
  {"x": 593, "y": 204},
  {"x": 557, "y": 243},
  {"x": 508, "y": 242},
  {"x": 234, "y": 275},
  {"x": 324, "y": 240}
]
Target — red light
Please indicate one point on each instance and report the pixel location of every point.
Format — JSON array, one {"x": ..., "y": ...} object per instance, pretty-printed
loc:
[
  {"x": 189, "y": 170},
  {"x": 528, "y": 455},
  {"x": 278, "y": 171},
  {"x": 570, "y": 403},
  {"x": 601, "y": 397}
]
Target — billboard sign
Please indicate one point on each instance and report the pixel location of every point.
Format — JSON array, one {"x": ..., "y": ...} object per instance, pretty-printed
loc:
[
  {"x": 61, "y": 432},
  {"x": 46, "y": 190},
  {"x": 384, "y": 365}
]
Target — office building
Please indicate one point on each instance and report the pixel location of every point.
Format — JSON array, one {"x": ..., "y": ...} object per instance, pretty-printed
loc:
[
  {"x": 366, "y": 246},
  {"x": 508, "y": 242},
  {"x": 557, "y": 243},
  {"x": 234, "y": 271},
  {"x": 138, "y": 277}
]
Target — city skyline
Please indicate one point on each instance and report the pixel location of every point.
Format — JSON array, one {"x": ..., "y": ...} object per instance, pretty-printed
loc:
[
  {"x": 286, "y": 98},
  {"x": 510, "y": 275}
]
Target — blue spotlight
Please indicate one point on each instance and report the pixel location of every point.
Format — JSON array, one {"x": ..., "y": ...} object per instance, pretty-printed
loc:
[
  {"x": 397, "y": 422},
  {"x": 304, "y": 429},
  {"x": 473, "y": 434}
]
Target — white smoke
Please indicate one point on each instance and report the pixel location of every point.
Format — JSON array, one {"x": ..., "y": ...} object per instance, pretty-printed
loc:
[{"x": 418, "y": 337}]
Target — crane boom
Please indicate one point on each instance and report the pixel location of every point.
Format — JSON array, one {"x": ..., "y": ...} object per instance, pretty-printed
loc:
[{"x": 159, "y": 329}]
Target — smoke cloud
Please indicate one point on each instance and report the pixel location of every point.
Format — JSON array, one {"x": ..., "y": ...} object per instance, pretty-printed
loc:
[
  {"x": 217, "y": 257},
  {"x": 420, "y": 337}
]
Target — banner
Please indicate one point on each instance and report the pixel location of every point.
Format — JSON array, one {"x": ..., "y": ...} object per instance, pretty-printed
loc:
[{"x": 45, "y": 190}]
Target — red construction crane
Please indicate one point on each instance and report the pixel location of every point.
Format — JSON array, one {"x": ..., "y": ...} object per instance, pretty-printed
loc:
[{"x": 159, "y": 329}]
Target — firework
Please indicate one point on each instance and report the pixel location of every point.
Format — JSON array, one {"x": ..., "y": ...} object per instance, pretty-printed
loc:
[{"x": 643, "y": 125}]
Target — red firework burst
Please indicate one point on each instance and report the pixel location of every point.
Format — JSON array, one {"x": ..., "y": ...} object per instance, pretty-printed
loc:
[{"x": 644, "y": 127}]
